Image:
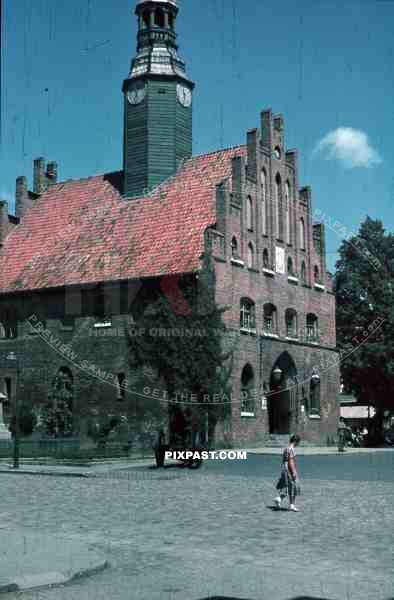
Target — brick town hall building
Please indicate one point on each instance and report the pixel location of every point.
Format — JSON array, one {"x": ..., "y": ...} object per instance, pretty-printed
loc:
[{"x": 78, "y": 253}]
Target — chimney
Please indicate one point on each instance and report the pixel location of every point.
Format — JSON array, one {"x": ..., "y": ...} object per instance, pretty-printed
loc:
[
  {"x": 21, "y": 196},
  {"x": 39, "y": 176},
  {"x": 3, "y": 221},
  {"x": 266, "y": 128},
  {"x": 51, "y": 174},
  {"x": 253, "y": 137},
  {"x": 238, "y": 178}
]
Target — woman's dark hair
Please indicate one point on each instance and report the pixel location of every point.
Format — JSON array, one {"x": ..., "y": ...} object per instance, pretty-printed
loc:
[{"x": 295, "y": 439}]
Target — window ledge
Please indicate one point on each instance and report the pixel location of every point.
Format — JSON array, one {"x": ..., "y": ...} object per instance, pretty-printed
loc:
[
  {"x": 253, "y": 269},
  {"x": 247, "y": 414},
  {"x": 314, "y": 416},
  {"x": 67, "y": 328},
  {"x": 291, "y": 338},
  {"x": 271, "y": 335},
  {"x": 247, "y": 330},
  {"x": 238, "y": 262},
  {"x": 314, "y": 342},
  {"x": 292, "y": 279},
  {"x": 269, "y": 272},
  {"x": 319, "y": 286}
]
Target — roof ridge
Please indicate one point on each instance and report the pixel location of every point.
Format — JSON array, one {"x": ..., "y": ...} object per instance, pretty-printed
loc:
[
  {"x": 98, "y": 176},
  {"x": 217, "y": 151}
]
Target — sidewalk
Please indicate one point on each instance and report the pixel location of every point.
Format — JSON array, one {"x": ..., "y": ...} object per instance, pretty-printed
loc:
[
  {"x": 30, "y": 560},
  {"x": 100, "y": 468}
]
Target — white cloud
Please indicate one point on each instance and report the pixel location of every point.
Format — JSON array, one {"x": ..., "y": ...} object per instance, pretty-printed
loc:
[{"x": 350, "y": 146}]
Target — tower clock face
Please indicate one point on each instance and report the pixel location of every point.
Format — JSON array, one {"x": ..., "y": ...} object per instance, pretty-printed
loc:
[
  {"x": 136, "y": 93},
  {"x": 184, "y": 95}
]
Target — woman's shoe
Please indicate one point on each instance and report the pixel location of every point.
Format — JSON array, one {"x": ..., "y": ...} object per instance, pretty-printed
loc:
[
  {"x": 278, "y": 502},
  {"x": 293, "y": 508}
]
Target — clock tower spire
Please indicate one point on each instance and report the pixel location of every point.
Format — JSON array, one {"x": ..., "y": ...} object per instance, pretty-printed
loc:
[{"x": 157, "y": 101}]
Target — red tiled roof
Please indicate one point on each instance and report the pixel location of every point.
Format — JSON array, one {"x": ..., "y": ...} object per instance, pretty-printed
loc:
[{"x": 83, "y": 231}]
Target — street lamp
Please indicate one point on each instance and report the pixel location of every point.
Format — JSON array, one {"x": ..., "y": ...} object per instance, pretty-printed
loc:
[
  {"x": 13, "y": 357},
  {"x": 315, "y": 378},
  {"x": 277, "y": 374}
]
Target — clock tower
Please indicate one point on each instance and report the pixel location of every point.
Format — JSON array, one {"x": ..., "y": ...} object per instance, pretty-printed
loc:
[{"x": 157, "y": 101}]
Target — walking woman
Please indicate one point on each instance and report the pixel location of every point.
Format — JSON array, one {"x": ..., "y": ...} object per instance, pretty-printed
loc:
[{"x": 288, "y": 483}]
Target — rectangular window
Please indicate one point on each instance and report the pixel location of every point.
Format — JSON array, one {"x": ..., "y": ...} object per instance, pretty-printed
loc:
[{"x": 268, "y": 323}]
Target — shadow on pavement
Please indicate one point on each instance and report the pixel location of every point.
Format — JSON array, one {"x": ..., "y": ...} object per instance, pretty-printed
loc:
[{"x": 295, "y": 598}]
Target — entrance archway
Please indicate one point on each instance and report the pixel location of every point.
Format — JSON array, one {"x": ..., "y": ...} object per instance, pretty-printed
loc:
[{"x": 283, "y": 395}]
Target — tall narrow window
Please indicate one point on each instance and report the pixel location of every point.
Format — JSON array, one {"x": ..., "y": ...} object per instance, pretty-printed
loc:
[
  {"x": 249, "y": 213},
  {"x": 250, "y": 256},
  {"x": 314, "y": 395},
  {"x": 234, "y": 248},
  {"x": 303, "y": 272},
  {"x": 288, "y": 212},
  {"x": 316, "y": 274},
  {"x": 278, "y": 207},
  {"x": 247, "y": 314},
  {"x": 263, "y": 202},
  {"x": 266, "y": 260},
  {"x": 312, "y": 330},
  {"x": 302, "y": 233},
  {"x": 146, "y": 18},
  {"x": 120, "y": 389},
  {"x": 270, "y": 320},
  {"x": 290, "y": 269},
  {"x": 291, "y": 323},
  {"x": 159, "y": 18},
  {"x": 247, "y": 390}
]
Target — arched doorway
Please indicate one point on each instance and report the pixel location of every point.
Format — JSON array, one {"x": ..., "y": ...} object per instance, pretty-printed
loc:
[{"x": 283, "y": 395}]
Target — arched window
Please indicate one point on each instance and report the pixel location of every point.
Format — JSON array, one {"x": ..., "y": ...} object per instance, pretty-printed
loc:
[
  {"x": 250, "y": 256},
  {"x": 171, "y": 20},
  {"x": 278, "y": 206},
  {"x": 263, "y": 202},
  {"x": 314, "y": 395},
  {"x": 119, "y": 384},
  {"x": 247, "y": 391},
  {"x": 234, "y": 248},
  {"x": 312, "y": 328},
  {"x": 288, "y": 212},
  {"x": 303, "y": 272},
  {"x": 247, "y": 314},
  {"x": 266, "y": 259},
  {"x": 249, "y": 213},
  {"x": 290, "y": 268},
  {"x": 302, "y": 233},
  {"x": 146, "y": 18},
  {"x": 316, "y": 274},
  {"x": 8, "y": 326},
  {"x": 270, "y": 319},
  {"x": 291, "y": 323},
  {"x": 159, "y": 17}
]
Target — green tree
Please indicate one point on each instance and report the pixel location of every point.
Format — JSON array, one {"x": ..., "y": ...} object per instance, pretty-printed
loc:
[
  {"x": 57, "y": 415},
  {"x": 364, "y": 286},
  {"x": 195, "y": 358}
]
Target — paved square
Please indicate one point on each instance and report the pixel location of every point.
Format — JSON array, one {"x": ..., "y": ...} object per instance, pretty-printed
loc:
[{"x": 189, "y": 535}]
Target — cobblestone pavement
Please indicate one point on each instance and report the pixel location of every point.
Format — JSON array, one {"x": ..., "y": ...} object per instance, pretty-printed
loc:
[{"x": 191, "y": 535}]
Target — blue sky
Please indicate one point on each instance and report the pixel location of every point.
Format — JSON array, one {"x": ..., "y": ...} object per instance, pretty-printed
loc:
[{"x": 327, "y": 66}]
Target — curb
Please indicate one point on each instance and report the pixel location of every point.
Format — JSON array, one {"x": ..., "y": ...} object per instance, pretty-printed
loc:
[
  {"x": 48, "y": 473},
  {"x": 51, "y": 579}
]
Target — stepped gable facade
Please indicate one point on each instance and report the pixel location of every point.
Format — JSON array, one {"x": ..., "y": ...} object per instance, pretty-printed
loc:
[{"x": 77, "y": 254}]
